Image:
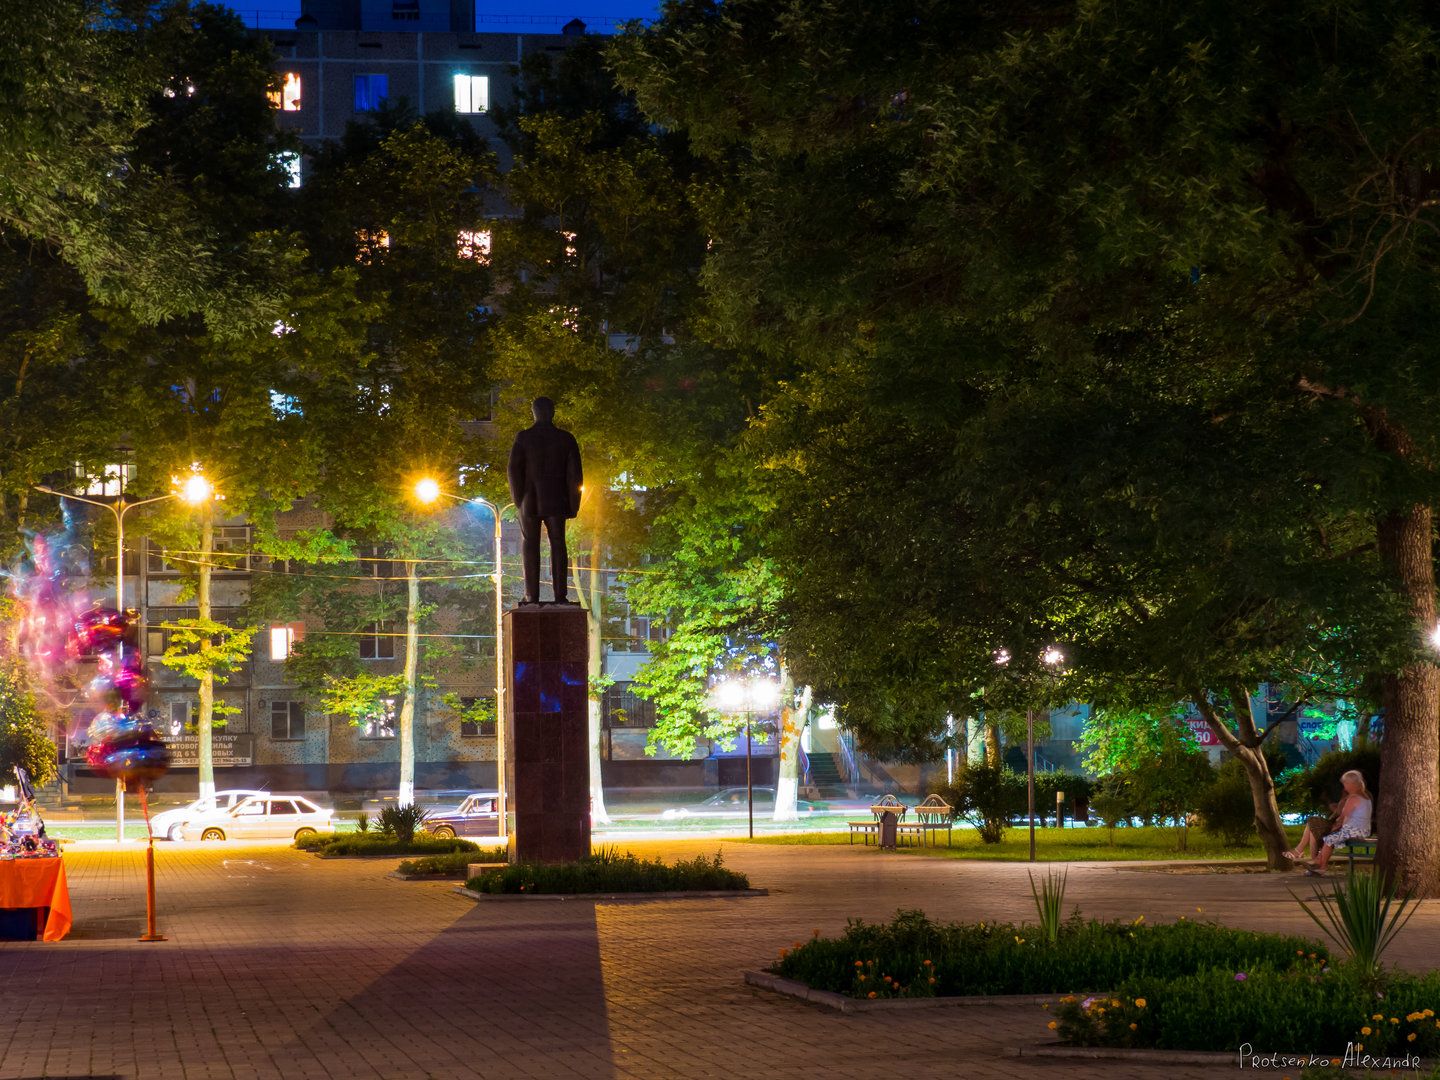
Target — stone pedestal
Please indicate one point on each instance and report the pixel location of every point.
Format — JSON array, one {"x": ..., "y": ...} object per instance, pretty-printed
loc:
[{"x": 547, "y": 760}]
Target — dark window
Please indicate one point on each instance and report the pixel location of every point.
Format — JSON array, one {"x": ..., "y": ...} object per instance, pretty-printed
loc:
[
  {"x": 470, "y": 729},
  {"x": 378, "y": 642},
  {"x": 282, "y": 806},
  {"x": 287, "y": 720},
  {"x": 383, "y": 725},
  {"x": 370, "y": 91},
  {"x": 626, "y": 709}
]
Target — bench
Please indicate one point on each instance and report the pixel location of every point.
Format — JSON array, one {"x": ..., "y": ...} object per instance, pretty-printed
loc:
[
  {"x": 884, "y": 804},
  {"x": 934, "y": 814},
  {"x": 1361, "y": 847}
]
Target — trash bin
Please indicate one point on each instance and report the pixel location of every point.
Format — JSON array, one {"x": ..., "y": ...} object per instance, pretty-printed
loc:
[
  {"x": 888, "y": 832},
  {"x": 1080, "y": 811}
]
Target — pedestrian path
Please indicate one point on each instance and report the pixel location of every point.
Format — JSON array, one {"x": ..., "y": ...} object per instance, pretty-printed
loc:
[{"x": 283, "y": 965}]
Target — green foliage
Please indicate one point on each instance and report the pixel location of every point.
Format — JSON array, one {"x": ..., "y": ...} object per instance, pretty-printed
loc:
[
  {"x": 376, "y": 844},
  {"x": 1002, "y": 958},
  {"x": 1362, "y": 916},
  {"x": 609, "y": 871},
  {"x": 1113, "y": 803},
  {"x": 400, "y": 822},
  {"x": 1226, "y": 808},
  {"x": 455, "y": 864},
  {"x": 199, "y": 647},
  {"x": 362, "y": 822},
  {"x": 1316, "y": 788},
  {"x": 1049, "y": 902},
  {"x": 24, "y": 732},
  {"x": 993, "y": 795},
  {"x": 361, "y": 697},
  {"x": 1299, "y": 1007}
]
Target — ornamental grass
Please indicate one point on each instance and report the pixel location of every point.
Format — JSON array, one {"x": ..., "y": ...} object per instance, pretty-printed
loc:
[{"x": 609, "y": 871}]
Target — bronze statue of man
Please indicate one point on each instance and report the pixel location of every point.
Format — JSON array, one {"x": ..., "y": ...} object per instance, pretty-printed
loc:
[{"x": 545, "y": 483}]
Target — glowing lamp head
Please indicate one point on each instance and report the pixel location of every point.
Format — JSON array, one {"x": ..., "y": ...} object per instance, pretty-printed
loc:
[
  {"x": 764, "y": 694},
  {"x": 427, "y": 490},
  {"x": 730, "y": 695},
  {"x": 1053, "y": 656},
  {"x": 1002, "y": 656},
  {"x": 1435, "y": 637},
  {"x": 196, "y": 490}
]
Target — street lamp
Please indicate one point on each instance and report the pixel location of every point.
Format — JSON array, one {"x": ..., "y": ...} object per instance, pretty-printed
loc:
[
  {"x": 427, "y": 492},
  {"x": 194, "y": 490},
  {"x": 1052, "y": 658},
  {"x": 747, "y": 696}
]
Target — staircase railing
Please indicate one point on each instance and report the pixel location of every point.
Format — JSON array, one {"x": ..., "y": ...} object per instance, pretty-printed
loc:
[{"x": 849, "y": 767}]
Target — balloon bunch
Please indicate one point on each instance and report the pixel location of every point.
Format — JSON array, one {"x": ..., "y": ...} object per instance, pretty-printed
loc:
[{"x": 123, "y": 744}]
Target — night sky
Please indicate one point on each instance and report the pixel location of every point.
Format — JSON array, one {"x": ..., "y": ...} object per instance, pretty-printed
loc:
[{"x": 502, "y": 16}]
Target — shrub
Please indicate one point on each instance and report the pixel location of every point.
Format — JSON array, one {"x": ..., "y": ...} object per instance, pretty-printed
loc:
[
  {"x": 1002, "y": 958},
  {"x": 1362, "y": 917},
  {"x": 1312, "y": 790},
  {"x": 1227, "y": 808},
  {"x": 362, "y": 822},
  {"x": 374, "y": 844},
  {"x": 993, "y": 795},
  {"x": 454, "y": 864},
  {"x": 1112, "y": 802},
  {"x": 1309, "y": 1007},
  {"x": 1048, "y": 783},
  {"x": 401, "y": 822},
  {"x": 608, "y": 871}
]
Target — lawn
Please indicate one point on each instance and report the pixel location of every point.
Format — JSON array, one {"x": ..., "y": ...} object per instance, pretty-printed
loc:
[{"x": 1059, "y": 845}]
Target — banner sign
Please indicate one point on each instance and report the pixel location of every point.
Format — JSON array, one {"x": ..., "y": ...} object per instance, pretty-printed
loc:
[
  {"x": 227, "y": 751},
  {"x": 1203, "y": 733}
]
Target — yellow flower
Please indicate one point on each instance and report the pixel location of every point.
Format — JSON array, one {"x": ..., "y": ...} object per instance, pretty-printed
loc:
[
  {"x": 1394, "y": 1019},
  {"x": 1052, "y": 1025},
  {"x": 1100, "y": 1011},
  {"x": 1365, "y": 1030},
  {"x": 1139, "y": 1003},
  {"x": 1410, "y": 1037},
  {"x": 1428, "y": 1013},
  {"x": 1139, "y": 919},
  {"x": 1359, "y": 1046},
  {"x": 1068, "y": 999},
  {"x": 1378, "y": 1016},
  {"x": 1114, "y": 1004},
  {"x": 1134, "y": 1026},
  {"x": 1019, "y": 940}
]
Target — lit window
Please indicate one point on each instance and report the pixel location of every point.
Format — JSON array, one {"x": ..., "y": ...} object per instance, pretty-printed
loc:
[
  {"x": 179, "y": 717},
  {"x": 370, "y": 243},
  {"x": 283, "y": 639},
  {"x": 472, "y": 94},
  {"x": 473, "y": 244},
  {"x": 111, "y": 481},
  {"x": 289, "y": 160},
  {"x": 371, "y": 91},
  {"x": 283, "y": 405},
  {"x": 287, "y": 98}
]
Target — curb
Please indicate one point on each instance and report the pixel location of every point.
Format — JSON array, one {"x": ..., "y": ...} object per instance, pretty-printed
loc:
[
  {"x": 1117, "y": 1053},
  {"x": 828, "y": 999},
  {"x": 711, "y": 894}
]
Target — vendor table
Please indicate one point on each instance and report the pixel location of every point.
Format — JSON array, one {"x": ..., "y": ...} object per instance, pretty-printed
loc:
[{"x": 34, "y": 899}]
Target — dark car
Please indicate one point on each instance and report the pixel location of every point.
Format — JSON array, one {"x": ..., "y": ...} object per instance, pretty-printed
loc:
[{"x": 475, "y": 816}]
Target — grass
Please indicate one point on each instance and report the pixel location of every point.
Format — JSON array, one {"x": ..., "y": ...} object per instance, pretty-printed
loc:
[
  {"x": 1059, "y": 845},
  {"x": 378, "y": 845},
  {"x": 608, "y": 871},
  {"x": 455, "y": 864}
]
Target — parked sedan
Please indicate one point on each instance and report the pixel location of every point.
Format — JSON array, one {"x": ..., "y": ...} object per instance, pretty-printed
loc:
[
  {"x": 261, "y": 817},
  {"x": 167, "y": 823},
  {"x": 475, "y": 816},
  {"x": 732, "y": 802}
]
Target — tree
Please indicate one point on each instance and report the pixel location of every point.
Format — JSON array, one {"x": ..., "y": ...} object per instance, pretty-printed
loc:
[
  {"x": 1172, "y": 232},
  {"x": 24, "y": 732}
]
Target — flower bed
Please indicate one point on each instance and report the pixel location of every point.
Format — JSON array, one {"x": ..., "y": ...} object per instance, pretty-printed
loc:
[
  {"x": 1314, "y": 1008},
  {"x": 454, "y": 864},
  {"x": 610, "y": 872},
  {"x": 914, "y": 957},
  {"x": 376, "y": 845}
]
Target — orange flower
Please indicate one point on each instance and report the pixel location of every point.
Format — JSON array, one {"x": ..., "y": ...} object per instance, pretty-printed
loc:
[
  {"x": 1134, "y": 1026},
  {"x": 1139, "y": 1003},
  {"x": 871, "y": 994},
  {"x": 1052, "y": 1025},
  {"x": 1410, "y": 1037}
]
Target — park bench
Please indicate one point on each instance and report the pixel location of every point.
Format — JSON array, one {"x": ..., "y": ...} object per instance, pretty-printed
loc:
[
  {"x": 867, "y": 829},
  {"x": 932, "y": 815},
  {"x": 1361, "y": 847}
]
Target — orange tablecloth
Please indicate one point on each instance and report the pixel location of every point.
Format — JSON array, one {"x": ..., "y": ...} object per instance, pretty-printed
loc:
[{"x": 38, "y": 883}]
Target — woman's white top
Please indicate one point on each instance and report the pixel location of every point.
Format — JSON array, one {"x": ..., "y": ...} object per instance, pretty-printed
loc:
[{"x": 1359, "y": 816}]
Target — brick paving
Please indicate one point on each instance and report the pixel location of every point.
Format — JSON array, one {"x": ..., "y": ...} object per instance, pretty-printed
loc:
[{"x": 283, "y": 965}]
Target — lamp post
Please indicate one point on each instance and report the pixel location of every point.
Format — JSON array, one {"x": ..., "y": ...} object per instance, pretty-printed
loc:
[
  {"x": 746, "y": 696},
  {"x": 428, "y": 491},
  {"x": 195, "y": 489},
  {"x": 1052, "y": 658}
]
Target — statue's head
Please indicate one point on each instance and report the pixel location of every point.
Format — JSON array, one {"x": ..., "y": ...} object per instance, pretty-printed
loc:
[{"x": 543, "y": 409}]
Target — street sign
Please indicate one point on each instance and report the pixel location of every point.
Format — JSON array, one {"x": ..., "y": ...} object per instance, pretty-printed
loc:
[
  {"x": 227, "y": 751},
  {"x": 1203, "y": 733}
]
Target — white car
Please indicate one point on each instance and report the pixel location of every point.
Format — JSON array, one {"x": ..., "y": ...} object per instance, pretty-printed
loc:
[
  {"x": 261, "y": 817},
  {"x": 167, "y": 823}
]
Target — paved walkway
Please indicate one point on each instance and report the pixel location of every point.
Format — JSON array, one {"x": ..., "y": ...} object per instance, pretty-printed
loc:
[{"x": 283, "y": 965}]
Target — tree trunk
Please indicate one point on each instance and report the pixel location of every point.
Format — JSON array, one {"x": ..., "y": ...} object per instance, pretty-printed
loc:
[
  {"x": 204, "y": 722},
  {"x": 406, "y": 794},
  {"x": 1246, "y": 744},
  {"x": 792, "y": 725},
  {"x": 1409, "y": 796},
  {"x": 596, "y": 703},
  {"x": 974, "y": 740},
  {"x": 992, "y": 744}
]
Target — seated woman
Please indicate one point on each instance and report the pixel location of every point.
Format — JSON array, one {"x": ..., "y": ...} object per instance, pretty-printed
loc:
[
  {"x": 1355, "y": 816},
  {"x": 1315, "y": 828}
]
